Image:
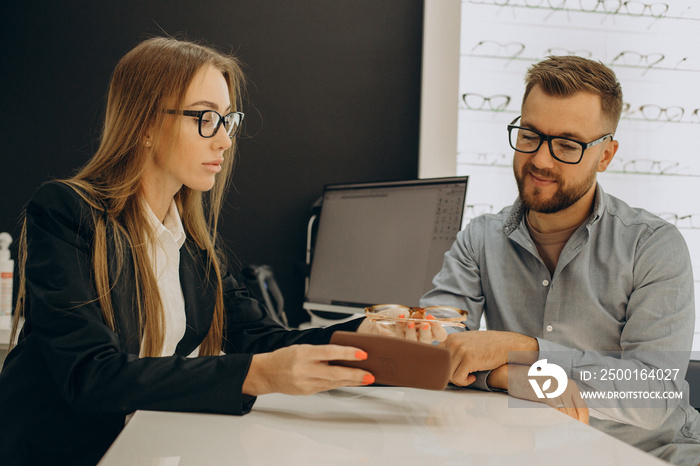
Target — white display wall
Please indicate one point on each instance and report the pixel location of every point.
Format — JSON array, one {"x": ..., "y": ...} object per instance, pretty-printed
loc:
[{"x": 654, "y": 48}]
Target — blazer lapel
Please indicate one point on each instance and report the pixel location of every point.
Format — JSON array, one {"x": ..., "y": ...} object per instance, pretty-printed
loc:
[
  {"x": 123, "y": 297},
  {"x": 199, "y": 294}
]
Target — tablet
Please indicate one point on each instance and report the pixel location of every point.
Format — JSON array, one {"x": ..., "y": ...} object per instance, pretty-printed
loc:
[{"x": 398, "y": 362}]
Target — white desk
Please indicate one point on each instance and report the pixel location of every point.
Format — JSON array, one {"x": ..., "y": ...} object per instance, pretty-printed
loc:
[
  {"x": 4, "y": 338},
  {"x": 4, "y": 341},
  {"x": 6, "y": 330},
  {"x": 372, "y": 426}
]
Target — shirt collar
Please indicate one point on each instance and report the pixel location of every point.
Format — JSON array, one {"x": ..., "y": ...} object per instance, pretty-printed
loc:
[
  {"x": 518, "y": 211},
  {"x": 171, "y": 223}
]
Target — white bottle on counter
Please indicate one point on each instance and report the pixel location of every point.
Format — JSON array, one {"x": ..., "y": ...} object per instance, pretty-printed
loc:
[{"x": 7, "y": 269}]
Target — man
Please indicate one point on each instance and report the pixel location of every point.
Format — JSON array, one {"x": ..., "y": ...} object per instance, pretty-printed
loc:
[{"x": 568, "y": 272}]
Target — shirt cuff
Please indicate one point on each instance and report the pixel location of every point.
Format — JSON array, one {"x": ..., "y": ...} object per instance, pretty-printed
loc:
[
  {"x": 557, "y": 354},
  {"x": 480, "y": 382}
]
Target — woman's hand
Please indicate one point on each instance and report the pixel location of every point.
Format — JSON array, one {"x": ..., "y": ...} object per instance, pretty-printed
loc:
[
  {"x": 421, "y": 331},
  {"x": 304, "y": 369}
]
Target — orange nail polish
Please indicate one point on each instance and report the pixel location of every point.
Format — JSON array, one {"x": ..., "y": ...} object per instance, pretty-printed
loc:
[
  {"x": 430, "y": 317},
  {"x": 368, "y": 379},
  {"x": 359, "y": 354},
  {"x": 401, "y": 316},
  {"x": 411, "y": 325},
  {"x": 425, "y": 326}
]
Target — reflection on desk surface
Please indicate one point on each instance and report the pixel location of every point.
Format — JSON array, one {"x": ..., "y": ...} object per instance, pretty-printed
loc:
[{"x": 372, "y": 426}]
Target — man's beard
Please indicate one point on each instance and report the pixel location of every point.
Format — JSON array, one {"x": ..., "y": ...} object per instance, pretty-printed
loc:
[{"x": 563, "y": 198}]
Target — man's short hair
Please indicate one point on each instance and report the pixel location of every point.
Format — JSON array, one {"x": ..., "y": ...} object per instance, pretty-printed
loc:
[{"x": 563, "y": 76}]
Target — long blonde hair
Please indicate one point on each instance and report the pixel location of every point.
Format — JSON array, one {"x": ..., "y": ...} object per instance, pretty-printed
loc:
[{"x": 154, "y": 74}]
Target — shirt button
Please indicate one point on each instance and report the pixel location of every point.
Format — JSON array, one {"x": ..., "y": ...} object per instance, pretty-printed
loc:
[
  {"x": 549, "y": 328},
  {"x": 545, "y": 282}
]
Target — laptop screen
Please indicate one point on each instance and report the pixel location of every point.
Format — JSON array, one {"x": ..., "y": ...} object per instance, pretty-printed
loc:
[{"x": 382, "y": 243}]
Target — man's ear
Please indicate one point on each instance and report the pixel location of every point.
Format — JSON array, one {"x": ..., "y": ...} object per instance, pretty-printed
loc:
[{"x": 607, "y": 155}]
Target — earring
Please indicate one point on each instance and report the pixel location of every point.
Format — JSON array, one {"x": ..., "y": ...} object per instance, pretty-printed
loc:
[{"x": 148, "y": 143}]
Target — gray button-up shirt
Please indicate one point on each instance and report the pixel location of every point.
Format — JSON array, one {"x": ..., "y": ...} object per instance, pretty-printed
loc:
[{"x": 623, "y": 284}]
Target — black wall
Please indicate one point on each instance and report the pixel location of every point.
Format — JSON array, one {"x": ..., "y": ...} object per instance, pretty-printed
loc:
[{"x": 333, "y": 96}]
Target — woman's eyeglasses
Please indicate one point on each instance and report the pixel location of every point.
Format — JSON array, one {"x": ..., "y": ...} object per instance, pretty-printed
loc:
[{"x": 211, "y": 120}]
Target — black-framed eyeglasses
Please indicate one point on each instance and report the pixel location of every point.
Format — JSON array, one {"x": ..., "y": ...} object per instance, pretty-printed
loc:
[
  {"x": 210, "y": 121},
  {"x": 565, "y": 150}
]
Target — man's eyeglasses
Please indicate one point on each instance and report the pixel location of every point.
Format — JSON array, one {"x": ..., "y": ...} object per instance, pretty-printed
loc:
[
  {"x": 565, "y": 150},
  {"x": 210, "y": 121}
]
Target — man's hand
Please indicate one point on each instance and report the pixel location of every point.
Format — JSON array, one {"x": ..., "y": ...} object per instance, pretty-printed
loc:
[
  {"x": 482, "y": 351},
  {"x": 303, "y": 370},
  {"x": 514, "y": 378}
]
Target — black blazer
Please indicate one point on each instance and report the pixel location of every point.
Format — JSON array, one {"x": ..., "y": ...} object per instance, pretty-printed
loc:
[{"x": 67, "y": 386}]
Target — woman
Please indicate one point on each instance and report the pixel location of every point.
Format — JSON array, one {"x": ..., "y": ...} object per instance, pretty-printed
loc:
[{"x": 121, "y": 279}]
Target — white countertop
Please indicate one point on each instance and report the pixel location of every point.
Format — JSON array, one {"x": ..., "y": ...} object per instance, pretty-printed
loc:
[
  {"x": 5, "y": 328},
  {"x": 372, "y": 426}
]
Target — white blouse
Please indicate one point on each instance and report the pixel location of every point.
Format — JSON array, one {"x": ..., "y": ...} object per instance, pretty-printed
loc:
[{"x": 164, "y": 254}]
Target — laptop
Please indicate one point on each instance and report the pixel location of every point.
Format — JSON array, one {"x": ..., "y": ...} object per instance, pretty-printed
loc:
[{"x": 381, "y": 243}]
